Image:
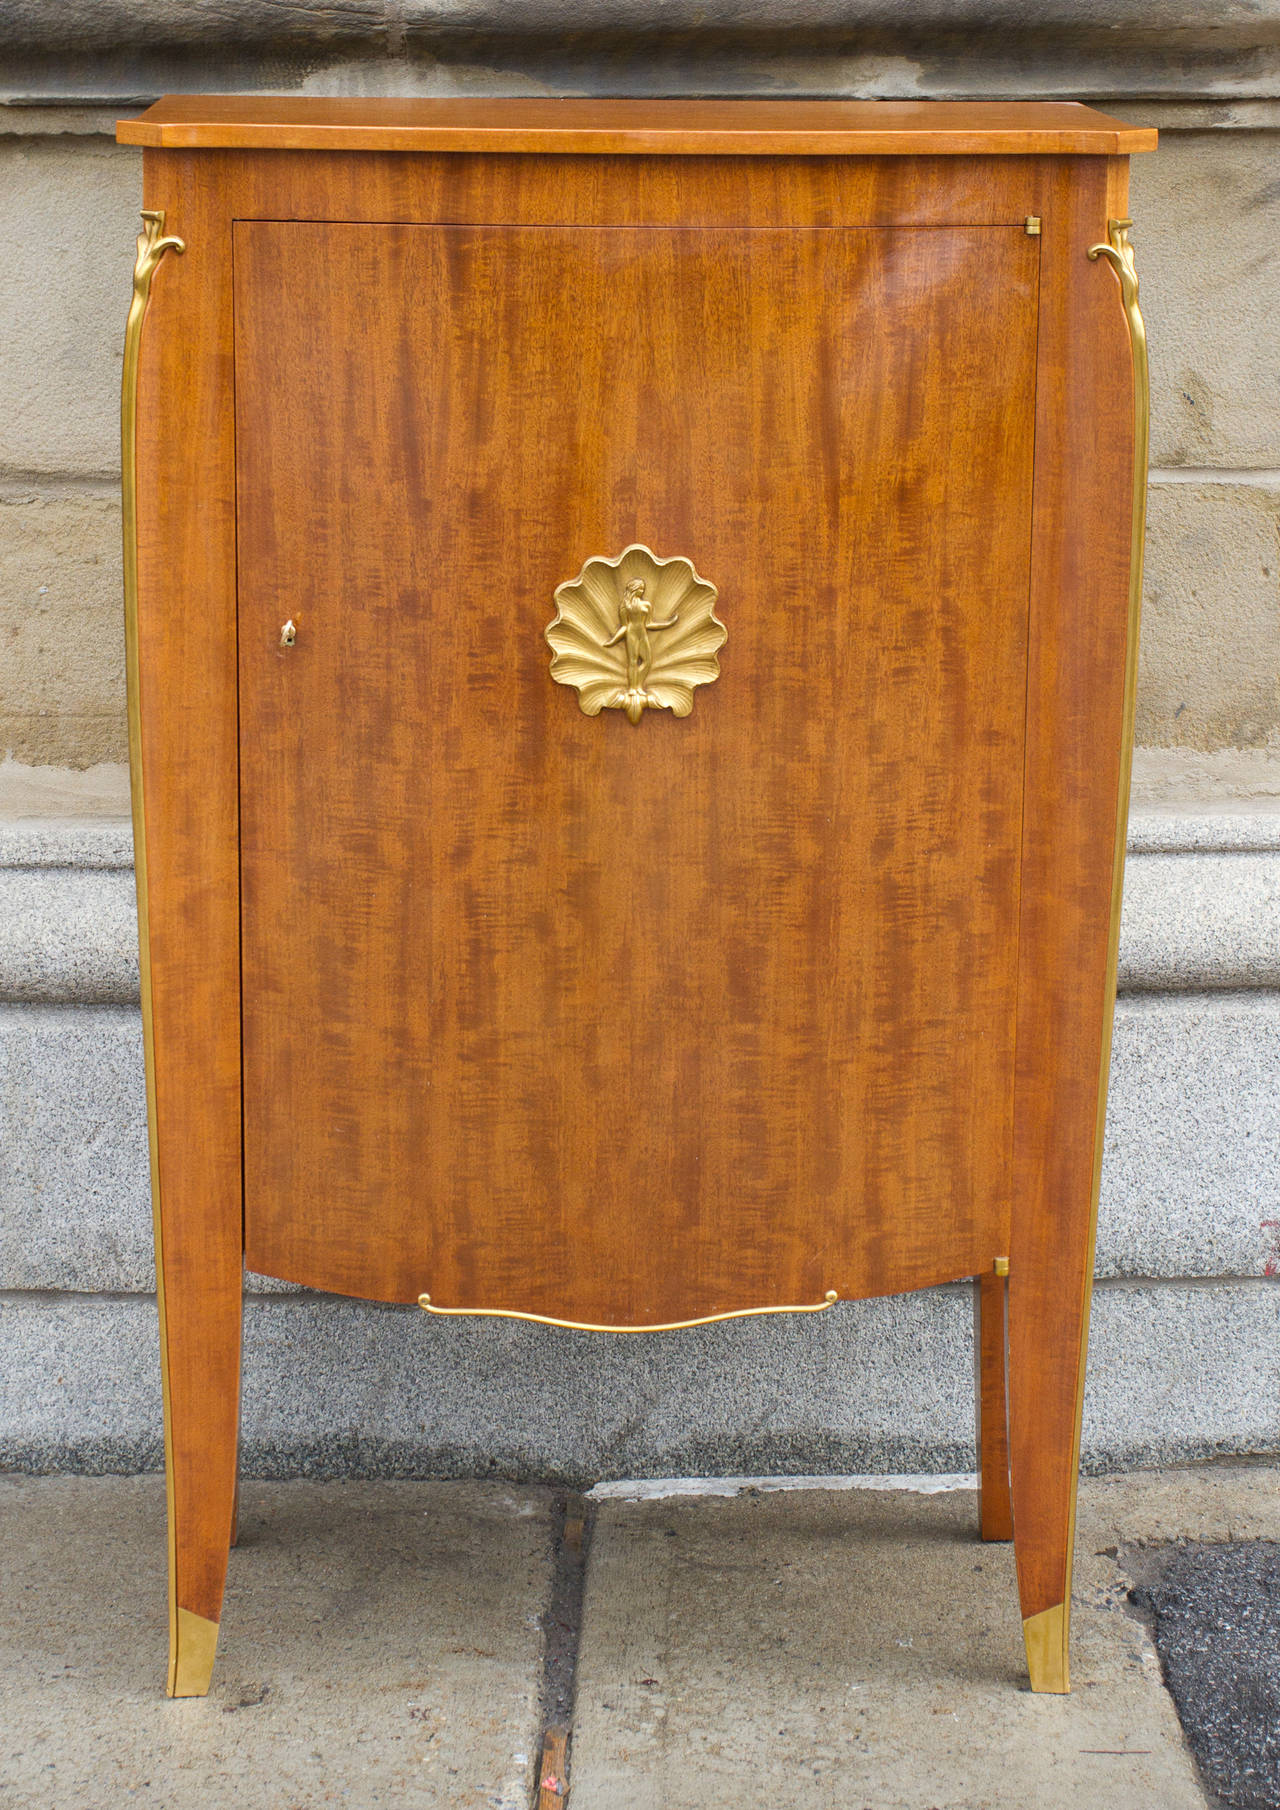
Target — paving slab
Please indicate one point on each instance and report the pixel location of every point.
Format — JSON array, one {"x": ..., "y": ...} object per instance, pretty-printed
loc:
[
  {"x": 381, "y": 1645},
  {"x": 852, "y": 1648}
]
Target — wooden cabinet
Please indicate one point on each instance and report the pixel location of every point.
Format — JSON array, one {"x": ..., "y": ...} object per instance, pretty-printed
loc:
[{"x": 632, "y": 619}]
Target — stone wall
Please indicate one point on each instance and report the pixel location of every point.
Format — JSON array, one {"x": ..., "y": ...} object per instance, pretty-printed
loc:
[{"x": 1186, "y": 1351}]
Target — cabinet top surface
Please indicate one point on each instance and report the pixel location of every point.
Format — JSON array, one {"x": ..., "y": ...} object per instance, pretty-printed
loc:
[{"x": 792, "y": 128}]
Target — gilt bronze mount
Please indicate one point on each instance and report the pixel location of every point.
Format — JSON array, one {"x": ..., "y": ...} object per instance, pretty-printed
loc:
[{"x": 636, "y": 633}]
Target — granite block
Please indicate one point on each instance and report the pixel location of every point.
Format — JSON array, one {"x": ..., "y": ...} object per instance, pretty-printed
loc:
[
  {"x": 1191, "y": 1181},
  {"x": 1191, "y": 1171},
  {"x": 342, "y": 1388},
  {"x": 1197, "y": 923},
  {"x": 75, "y": 1198},
  {"x": 68, "y": 936}
]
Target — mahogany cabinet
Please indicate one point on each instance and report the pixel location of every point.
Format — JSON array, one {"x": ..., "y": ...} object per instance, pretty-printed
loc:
[{"x": 632, "y": 615}]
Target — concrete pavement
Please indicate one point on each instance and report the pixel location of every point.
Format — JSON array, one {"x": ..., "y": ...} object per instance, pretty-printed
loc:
[
  {"x": 380, "y": 1647},
  {"x": 384, "y": 1643}
]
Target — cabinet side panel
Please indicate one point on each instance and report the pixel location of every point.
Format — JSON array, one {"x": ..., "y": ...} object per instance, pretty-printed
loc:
[
  {"x": 187, "y": 704},
  {"x": 1075, "y": 737}
]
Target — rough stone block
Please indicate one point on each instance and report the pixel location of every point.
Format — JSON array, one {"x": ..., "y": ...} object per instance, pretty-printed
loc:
[
  {"x": 1210, "y": 653},
  {"x": 61, "y": 626},
  {"x": 79, "y": 1384},
  {"x": 1207, "y": 228},
  {"x": 1212, "y": 647},
  {"x": 1216, "y": 55},
  {"x": 90, "y": 794},
  {"x": 68, "y": 222}
]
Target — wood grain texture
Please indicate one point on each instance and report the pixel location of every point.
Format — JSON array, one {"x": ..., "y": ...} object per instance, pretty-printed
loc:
[
  {"x": 613, "y": 1023},
  {"x": 621, "y": 127},
  {"x": 391, "y": 188},
  {"x": 853, "y": 1007},
  {"x": 187, "y": 642},
  {"x": 995, "y": 1504},
  {"x": 1076, "y": 666},
  {"x": 553, "y": 1769}
]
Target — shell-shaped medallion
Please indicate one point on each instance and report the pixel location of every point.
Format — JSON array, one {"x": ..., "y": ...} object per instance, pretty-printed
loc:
[{"x": 636, "y": 633}]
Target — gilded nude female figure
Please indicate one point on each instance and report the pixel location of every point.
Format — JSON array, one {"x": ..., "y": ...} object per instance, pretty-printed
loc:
[
  {"x": 637, "y": 628},
  {"x": 605, "y": 642}
]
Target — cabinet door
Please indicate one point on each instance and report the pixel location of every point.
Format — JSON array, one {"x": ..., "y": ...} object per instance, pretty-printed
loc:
[{"x": 607, "y": 1021}]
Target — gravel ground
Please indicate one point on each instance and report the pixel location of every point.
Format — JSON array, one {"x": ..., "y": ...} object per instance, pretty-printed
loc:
[{"x": 1215, "y": 1610}]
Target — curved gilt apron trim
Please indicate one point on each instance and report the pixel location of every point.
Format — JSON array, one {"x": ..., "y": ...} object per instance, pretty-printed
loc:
[
  {"x": 511, "y": 1313},
  {"x": 152, "y": 245}
]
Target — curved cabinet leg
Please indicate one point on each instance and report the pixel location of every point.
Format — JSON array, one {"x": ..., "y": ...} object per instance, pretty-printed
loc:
[
  {"x": 1081, "y": 667},
  {"x": 201, "y": 1338},
  {"x": 1048, "y": 1326},
  {"x": 180, "y": 638},
  {"x": 995, "y": 1508}
]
